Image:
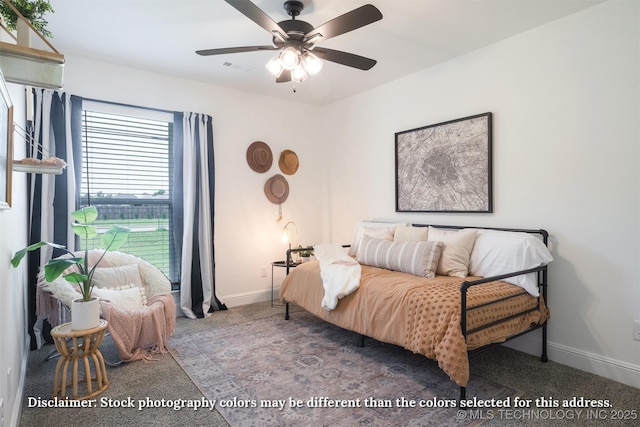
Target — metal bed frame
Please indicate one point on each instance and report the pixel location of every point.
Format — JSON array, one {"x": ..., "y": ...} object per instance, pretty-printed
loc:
[{"x": 464, "y": 287}]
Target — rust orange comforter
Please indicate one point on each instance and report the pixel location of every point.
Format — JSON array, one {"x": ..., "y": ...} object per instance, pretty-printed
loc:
[{"x": 419, "y": 314}]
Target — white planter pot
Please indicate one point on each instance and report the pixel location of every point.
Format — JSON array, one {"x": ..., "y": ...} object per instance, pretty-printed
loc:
[{"x": 85, "y": 314}]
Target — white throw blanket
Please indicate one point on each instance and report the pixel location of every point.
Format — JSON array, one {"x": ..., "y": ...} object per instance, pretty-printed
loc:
[{"x": 340, "y": 273}]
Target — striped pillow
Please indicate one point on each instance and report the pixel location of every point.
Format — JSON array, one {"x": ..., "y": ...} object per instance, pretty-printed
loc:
[{"x": 417, "y": 258}]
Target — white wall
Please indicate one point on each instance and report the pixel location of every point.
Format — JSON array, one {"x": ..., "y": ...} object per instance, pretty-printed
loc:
[
  {"x": 13, "y": 322},
  {"x": 247, "y": 235},
  {"x": 565, "y": 109}
]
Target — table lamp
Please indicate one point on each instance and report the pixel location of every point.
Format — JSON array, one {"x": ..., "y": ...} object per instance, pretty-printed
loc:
[{"x": 285, "y": 234}]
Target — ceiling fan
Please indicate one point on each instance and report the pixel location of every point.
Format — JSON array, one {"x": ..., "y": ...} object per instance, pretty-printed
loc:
[{"x": 299, "y": 57}]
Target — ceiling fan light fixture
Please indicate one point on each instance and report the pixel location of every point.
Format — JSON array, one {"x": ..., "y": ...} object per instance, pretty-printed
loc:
[
  {"x": 290, "y": 57},
  {"x": 295, "y": 38},
  {"x": 275, "y": 66},
  {"x": 311, "y": 63}
]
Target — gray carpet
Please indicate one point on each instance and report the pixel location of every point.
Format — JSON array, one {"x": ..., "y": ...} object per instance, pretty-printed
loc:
[{"x": 164, "y": 379}]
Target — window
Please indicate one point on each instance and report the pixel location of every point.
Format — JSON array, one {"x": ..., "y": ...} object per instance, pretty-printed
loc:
[{"x": 127, "y": 169}]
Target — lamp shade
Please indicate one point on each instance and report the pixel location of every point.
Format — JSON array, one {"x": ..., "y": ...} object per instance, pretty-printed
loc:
[
  {"x": 311, "y": 63},
  {"x": 298, "y": 74},
  {"x": 275, "y": 66},
  {"x": 285, "y": 234},
  {"x": 290, "y": 58}
]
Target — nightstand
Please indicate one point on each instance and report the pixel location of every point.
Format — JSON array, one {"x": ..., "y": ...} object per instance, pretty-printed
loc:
[{"x": 280, "y": 264}]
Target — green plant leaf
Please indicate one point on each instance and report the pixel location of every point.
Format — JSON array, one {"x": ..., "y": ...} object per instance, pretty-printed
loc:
[
  {"x": 85, "y": 231},
  {"x": 85, "y": 215},
  {"x": 17, "y": 258},
  {"x": 56, "y": 267},
  {"x": 115, "y": 237},
  {"x": 15, "y": 261},
  {"x": 76, "y": 277}
]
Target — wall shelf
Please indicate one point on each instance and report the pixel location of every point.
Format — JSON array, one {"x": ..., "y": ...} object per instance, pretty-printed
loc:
[
  {"x": 30, "y": 66},
  {"x": 47, "y": 164},
  {"x": 30, "y": 165},
  {"x": 23, "y": 64}
]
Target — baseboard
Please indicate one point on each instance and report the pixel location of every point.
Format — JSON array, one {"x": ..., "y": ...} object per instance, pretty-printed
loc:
[
  {"x": 17, "y": 405},
  {"x": 234, "y": 300},
  {"x": 249, "y": 297},
  {"x": 613, "y": 369}
]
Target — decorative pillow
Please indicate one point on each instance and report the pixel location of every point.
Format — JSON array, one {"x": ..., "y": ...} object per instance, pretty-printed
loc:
[
  {"x": 129, "y": 297},
  {"x": 111, "y": 277},
  {"x": 382, "y": 233},
  {"x": 417, "y": 258},
  {"x": 409, "y": 233},
  {"x": 387, "y": 227},
  {"x": 456, "y": 250},
  {"x": 499, "y": 252}
]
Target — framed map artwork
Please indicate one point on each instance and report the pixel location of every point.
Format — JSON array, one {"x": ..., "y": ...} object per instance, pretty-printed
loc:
[{"x": 445, "y": 167}]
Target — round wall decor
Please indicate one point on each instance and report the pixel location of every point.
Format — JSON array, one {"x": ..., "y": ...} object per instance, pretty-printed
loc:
[
  {"x": 276, "y": 189},
  {"x": 259, "y": 157},
  {"x": 288, "y": 162}
]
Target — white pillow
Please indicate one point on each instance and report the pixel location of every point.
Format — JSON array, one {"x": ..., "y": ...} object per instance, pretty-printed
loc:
[
  {"x": 111, "y": 277},
  {"x": 499, "y": 252},
  {"x": 417, "y": 258},
  {"x": 386, "y": 227},
  {"x": 382, "y": 233},
  {"x": 456, "y": 250},
  {"x": 409, "y": 233},
  {"x": 127, "y": 297}
]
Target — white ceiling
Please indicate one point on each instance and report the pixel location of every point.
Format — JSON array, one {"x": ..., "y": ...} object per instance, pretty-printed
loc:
[{"x": 162, "y": 36}]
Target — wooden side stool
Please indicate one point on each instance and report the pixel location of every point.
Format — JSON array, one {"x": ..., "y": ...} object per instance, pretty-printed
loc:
[{"x": 79, "y": 348}]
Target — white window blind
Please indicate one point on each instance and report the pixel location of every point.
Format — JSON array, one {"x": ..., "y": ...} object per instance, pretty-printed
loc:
[{"x": 127, "y": 170}]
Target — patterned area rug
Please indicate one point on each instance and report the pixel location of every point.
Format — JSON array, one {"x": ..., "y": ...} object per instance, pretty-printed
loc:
[{"x": 304, "y": 371}]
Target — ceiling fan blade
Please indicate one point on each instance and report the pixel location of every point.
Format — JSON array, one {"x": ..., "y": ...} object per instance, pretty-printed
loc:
[
  {"x": 253, "y": 12},
  {"x": 284, "y": 77},
  {"x": 364, "y": 15},
  {"x": 344, "y": 58},
  {"x": 224, "y": 50}
]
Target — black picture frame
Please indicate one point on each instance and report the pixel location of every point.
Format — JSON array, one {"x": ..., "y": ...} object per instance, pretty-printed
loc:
[
  {"x": 446, "y": 167},
  {"x": 6, "y": 145}
]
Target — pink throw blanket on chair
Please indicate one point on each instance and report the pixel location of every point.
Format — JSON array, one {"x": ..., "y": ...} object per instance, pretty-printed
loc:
[{"x": 140, "y": 334}]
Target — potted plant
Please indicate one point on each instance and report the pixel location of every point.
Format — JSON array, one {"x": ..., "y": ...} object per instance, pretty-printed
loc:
[
  {"x": 305, "y": 253},
  {"x": 33, "y": 11},
  {"x": 113, "y": 239}
]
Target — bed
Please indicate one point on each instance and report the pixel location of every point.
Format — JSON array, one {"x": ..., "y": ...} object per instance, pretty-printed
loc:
[{"x": 443, "y": 317}]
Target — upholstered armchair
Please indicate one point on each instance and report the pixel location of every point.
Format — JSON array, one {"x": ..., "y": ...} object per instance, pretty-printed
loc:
[{"x": 135, "y": 298}]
